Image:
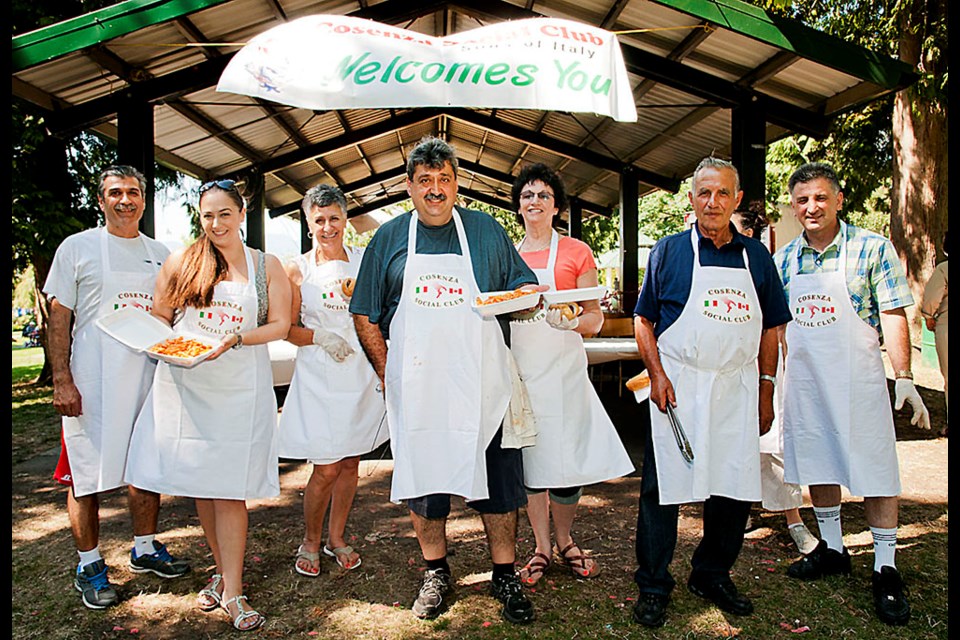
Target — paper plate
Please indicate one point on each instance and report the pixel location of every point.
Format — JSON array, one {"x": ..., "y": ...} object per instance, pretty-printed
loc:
[
  {"x": 573, "y": 295},
  {"x": 642, "y": 394},
  {"x": 519, "y": 303},
  {"x": 134, "y": 328}
]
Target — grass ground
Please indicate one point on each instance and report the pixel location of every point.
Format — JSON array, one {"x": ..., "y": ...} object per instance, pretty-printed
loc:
[{"x": 374, "y": 600}]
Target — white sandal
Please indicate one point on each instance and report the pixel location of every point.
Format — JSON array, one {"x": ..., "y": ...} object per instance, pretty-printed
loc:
[
  {"x": 243, "y": 615},
  {"x": 209, "y": 598}
]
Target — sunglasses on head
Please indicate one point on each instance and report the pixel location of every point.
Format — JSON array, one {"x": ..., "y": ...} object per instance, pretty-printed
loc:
[{"x": 226, "y": 185}]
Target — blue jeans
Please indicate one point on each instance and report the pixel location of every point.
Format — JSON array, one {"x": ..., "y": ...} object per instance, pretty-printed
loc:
[{"x": 724, "y": 521}]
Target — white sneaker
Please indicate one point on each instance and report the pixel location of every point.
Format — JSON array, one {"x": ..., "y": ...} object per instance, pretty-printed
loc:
[{"x": 806, "y": 542}]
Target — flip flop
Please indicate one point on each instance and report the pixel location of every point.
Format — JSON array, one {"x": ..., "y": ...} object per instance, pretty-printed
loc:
[
  {"x": 535, "y": 568},
  {"x": 576, "y": 563},
  {"x": 313, "y": 557},
  {"x": 337, "y": 552}
]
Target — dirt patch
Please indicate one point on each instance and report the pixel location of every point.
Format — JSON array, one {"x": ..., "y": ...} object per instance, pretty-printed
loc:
[{"x": 374, "y": 600}]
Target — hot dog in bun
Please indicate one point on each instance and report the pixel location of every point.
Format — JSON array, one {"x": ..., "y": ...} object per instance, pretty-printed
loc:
[
  {"x": 347, "y": 286},
  {"x": 569, "y": 310}
]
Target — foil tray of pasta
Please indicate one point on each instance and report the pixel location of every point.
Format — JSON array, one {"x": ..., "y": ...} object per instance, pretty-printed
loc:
[
  {"x": 493, "y": 303},
  {"x": 138, "y": 330},
  {"x": 182, "y": 350}
]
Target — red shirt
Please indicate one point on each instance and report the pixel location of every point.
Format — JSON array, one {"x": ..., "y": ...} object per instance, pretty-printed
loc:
[{"x": 574, "y": 258}]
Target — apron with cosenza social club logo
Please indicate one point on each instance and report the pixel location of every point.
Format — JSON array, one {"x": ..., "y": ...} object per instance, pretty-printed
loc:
[
  {"x": 447, "y": 377},
  {"x": 210, "y": 431},
  {"x": 112, "y": 379},
  {"x": 837, "y": 420},
  {"x": 577, "y": 443},
  {"x": 710, "y": 355},
  {"x": 334, "y": 410}
]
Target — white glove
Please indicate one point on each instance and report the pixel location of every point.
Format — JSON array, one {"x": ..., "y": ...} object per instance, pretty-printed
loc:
[
  {"x": 556, "y": 320},
  {"x": 337, "y": 347},
  {"x": 905, "y": 391}
]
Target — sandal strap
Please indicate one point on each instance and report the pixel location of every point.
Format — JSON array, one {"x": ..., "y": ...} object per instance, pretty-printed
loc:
[
  {"x": 312, "y": 556},
  {"x": 538, "y": 561},
  {"x": 580, "y": 558},
  {"x": 242, "y": 614}
]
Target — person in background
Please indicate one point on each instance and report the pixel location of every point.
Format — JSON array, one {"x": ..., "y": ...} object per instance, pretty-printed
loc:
[
  {"x": 847, "y": 290},
  {"x": 934, "y": 310},
  {"x": 210, "y": 432},
  {"x": 576, "y": 442},
  {"x": 446, "y": 371},
  {"x": 777, "y": 495},
  {"x": 334, "y": 411},
  {"x": 706, "y": 326},
  {"x": 99, "y": 384}
]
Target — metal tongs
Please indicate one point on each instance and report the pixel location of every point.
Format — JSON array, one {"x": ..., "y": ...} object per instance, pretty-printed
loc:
[{"x": 682, "y": 443}]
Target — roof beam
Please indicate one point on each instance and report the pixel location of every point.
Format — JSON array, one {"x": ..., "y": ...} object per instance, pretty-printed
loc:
[
  {"x": 379, "y": 203},
  {"x": 409, "y": 118},
  {"x": 508, "y": 179},
  {"x": 486, "y": 198},
  {"x": 611, "y": 18},
  {"x": 363, "y": 183},
  {"x": 560, "y": 147}
]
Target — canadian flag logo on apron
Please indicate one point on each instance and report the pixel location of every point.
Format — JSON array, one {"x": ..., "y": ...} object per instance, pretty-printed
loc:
[{"x": 435, "y": 290}]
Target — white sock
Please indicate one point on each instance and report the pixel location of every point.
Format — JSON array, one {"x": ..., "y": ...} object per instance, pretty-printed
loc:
[
  {"x": 793, "y": 526},
  {"x": 884, "y": 547},
  {"x": 828, "y": 519},
  {"x": 143, "y": 545},
  {"x": 87, "y": 557}
]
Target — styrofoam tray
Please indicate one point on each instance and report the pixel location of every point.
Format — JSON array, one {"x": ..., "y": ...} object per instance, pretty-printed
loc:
[
  {"x": 141, "y": 331},
  {"x": 507, "y": 306},
  {"x": 573, "y": 295}
]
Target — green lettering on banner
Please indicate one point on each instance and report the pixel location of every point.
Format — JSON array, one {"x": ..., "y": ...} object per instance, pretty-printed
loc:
[
  {"x": 386, "y": 74},
  {"x": 345, "y": 68},
  {"x": 573, "y": 78},
  {"x": 367, "y": 73},
  {"x": 496, "y": 72},
  {"x": 403, "y": 66},
  {"x": 467, "y": 66},
  {"x": 527, "y": 71},
  {"x": 425, "y": 71}
]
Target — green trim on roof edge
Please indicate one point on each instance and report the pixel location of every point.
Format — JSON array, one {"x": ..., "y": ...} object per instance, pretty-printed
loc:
[
  {"x": 807, "y": 42},
  {"x": 62, "y": 38}
]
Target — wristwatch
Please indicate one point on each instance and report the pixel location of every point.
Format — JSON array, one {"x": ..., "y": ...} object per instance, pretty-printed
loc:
[
  {"x": 239, "y": 341},
  {"x": 769, "y": 379},
  {"x": 903, "y": 373}
]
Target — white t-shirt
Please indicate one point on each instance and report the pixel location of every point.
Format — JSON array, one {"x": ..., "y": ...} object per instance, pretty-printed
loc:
[{"x": 76, "y": 273}]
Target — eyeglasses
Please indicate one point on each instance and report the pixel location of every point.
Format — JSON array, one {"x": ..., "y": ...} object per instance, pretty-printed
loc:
[
  {"x": 226, "y": 185},
  {"x": 529, "y": 196}
]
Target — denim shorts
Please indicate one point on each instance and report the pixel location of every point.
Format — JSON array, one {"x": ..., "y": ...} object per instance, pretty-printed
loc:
[{"x": 504, "y": 485}]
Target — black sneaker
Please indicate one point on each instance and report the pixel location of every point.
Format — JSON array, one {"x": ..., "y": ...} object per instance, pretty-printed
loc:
[
  {"x": 822, "y": 561},
  {"x": 516, "y": 607},
  {"x": 651, "y": 609},
  {"x": 430, "y": 601},
  {"x": 889, "y": 597},
  {"x": 94, "y": 586},
  {"x": 160, "y": 563}
]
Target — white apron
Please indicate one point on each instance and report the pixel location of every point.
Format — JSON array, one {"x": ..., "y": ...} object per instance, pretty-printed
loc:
[
  {"x": 334, "y": 410},
  {"x": 447, "y": 377},
  {"x": 710, "y": 356},
  {"x": 577, "y": 443},
  {"x": 210, "y": 431},
  {"x": 837, "y": 420},
  {"x": 113, "y": 382}
]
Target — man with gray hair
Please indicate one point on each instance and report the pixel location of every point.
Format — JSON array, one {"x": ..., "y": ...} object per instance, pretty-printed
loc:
[
  {"x": 706, "y": 328},
  {"x": 446, "y": 372},
  {"x": 99, "y": 384}
]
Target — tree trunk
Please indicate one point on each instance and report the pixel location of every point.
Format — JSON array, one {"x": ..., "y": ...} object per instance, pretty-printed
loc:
[
  {"x": 919, "y": 198},
  {"x": 41, "y": 267}
]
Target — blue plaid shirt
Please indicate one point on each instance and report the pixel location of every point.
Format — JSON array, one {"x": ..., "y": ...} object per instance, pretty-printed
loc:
[{"x": 875, "y": 278}]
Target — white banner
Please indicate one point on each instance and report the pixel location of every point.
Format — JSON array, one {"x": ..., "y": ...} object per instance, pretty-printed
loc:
[{"x": 338, "y": 62}]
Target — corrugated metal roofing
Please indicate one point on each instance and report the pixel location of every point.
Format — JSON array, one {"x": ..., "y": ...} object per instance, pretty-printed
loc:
[{"x": 207, "y": 134}]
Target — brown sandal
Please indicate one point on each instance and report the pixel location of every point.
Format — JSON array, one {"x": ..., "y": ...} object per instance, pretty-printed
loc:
[
  {"x": 576, "y": 563},
  {"x": 535, "y": 568}
]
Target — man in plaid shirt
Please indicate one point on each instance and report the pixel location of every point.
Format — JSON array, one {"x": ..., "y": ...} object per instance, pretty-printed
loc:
[{"x": 847, "y": 291}]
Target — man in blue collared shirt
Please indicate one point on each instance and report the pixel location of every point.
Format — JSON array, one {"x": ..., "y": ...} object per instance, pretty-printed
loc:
[{"x": 706, "y": 325}]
